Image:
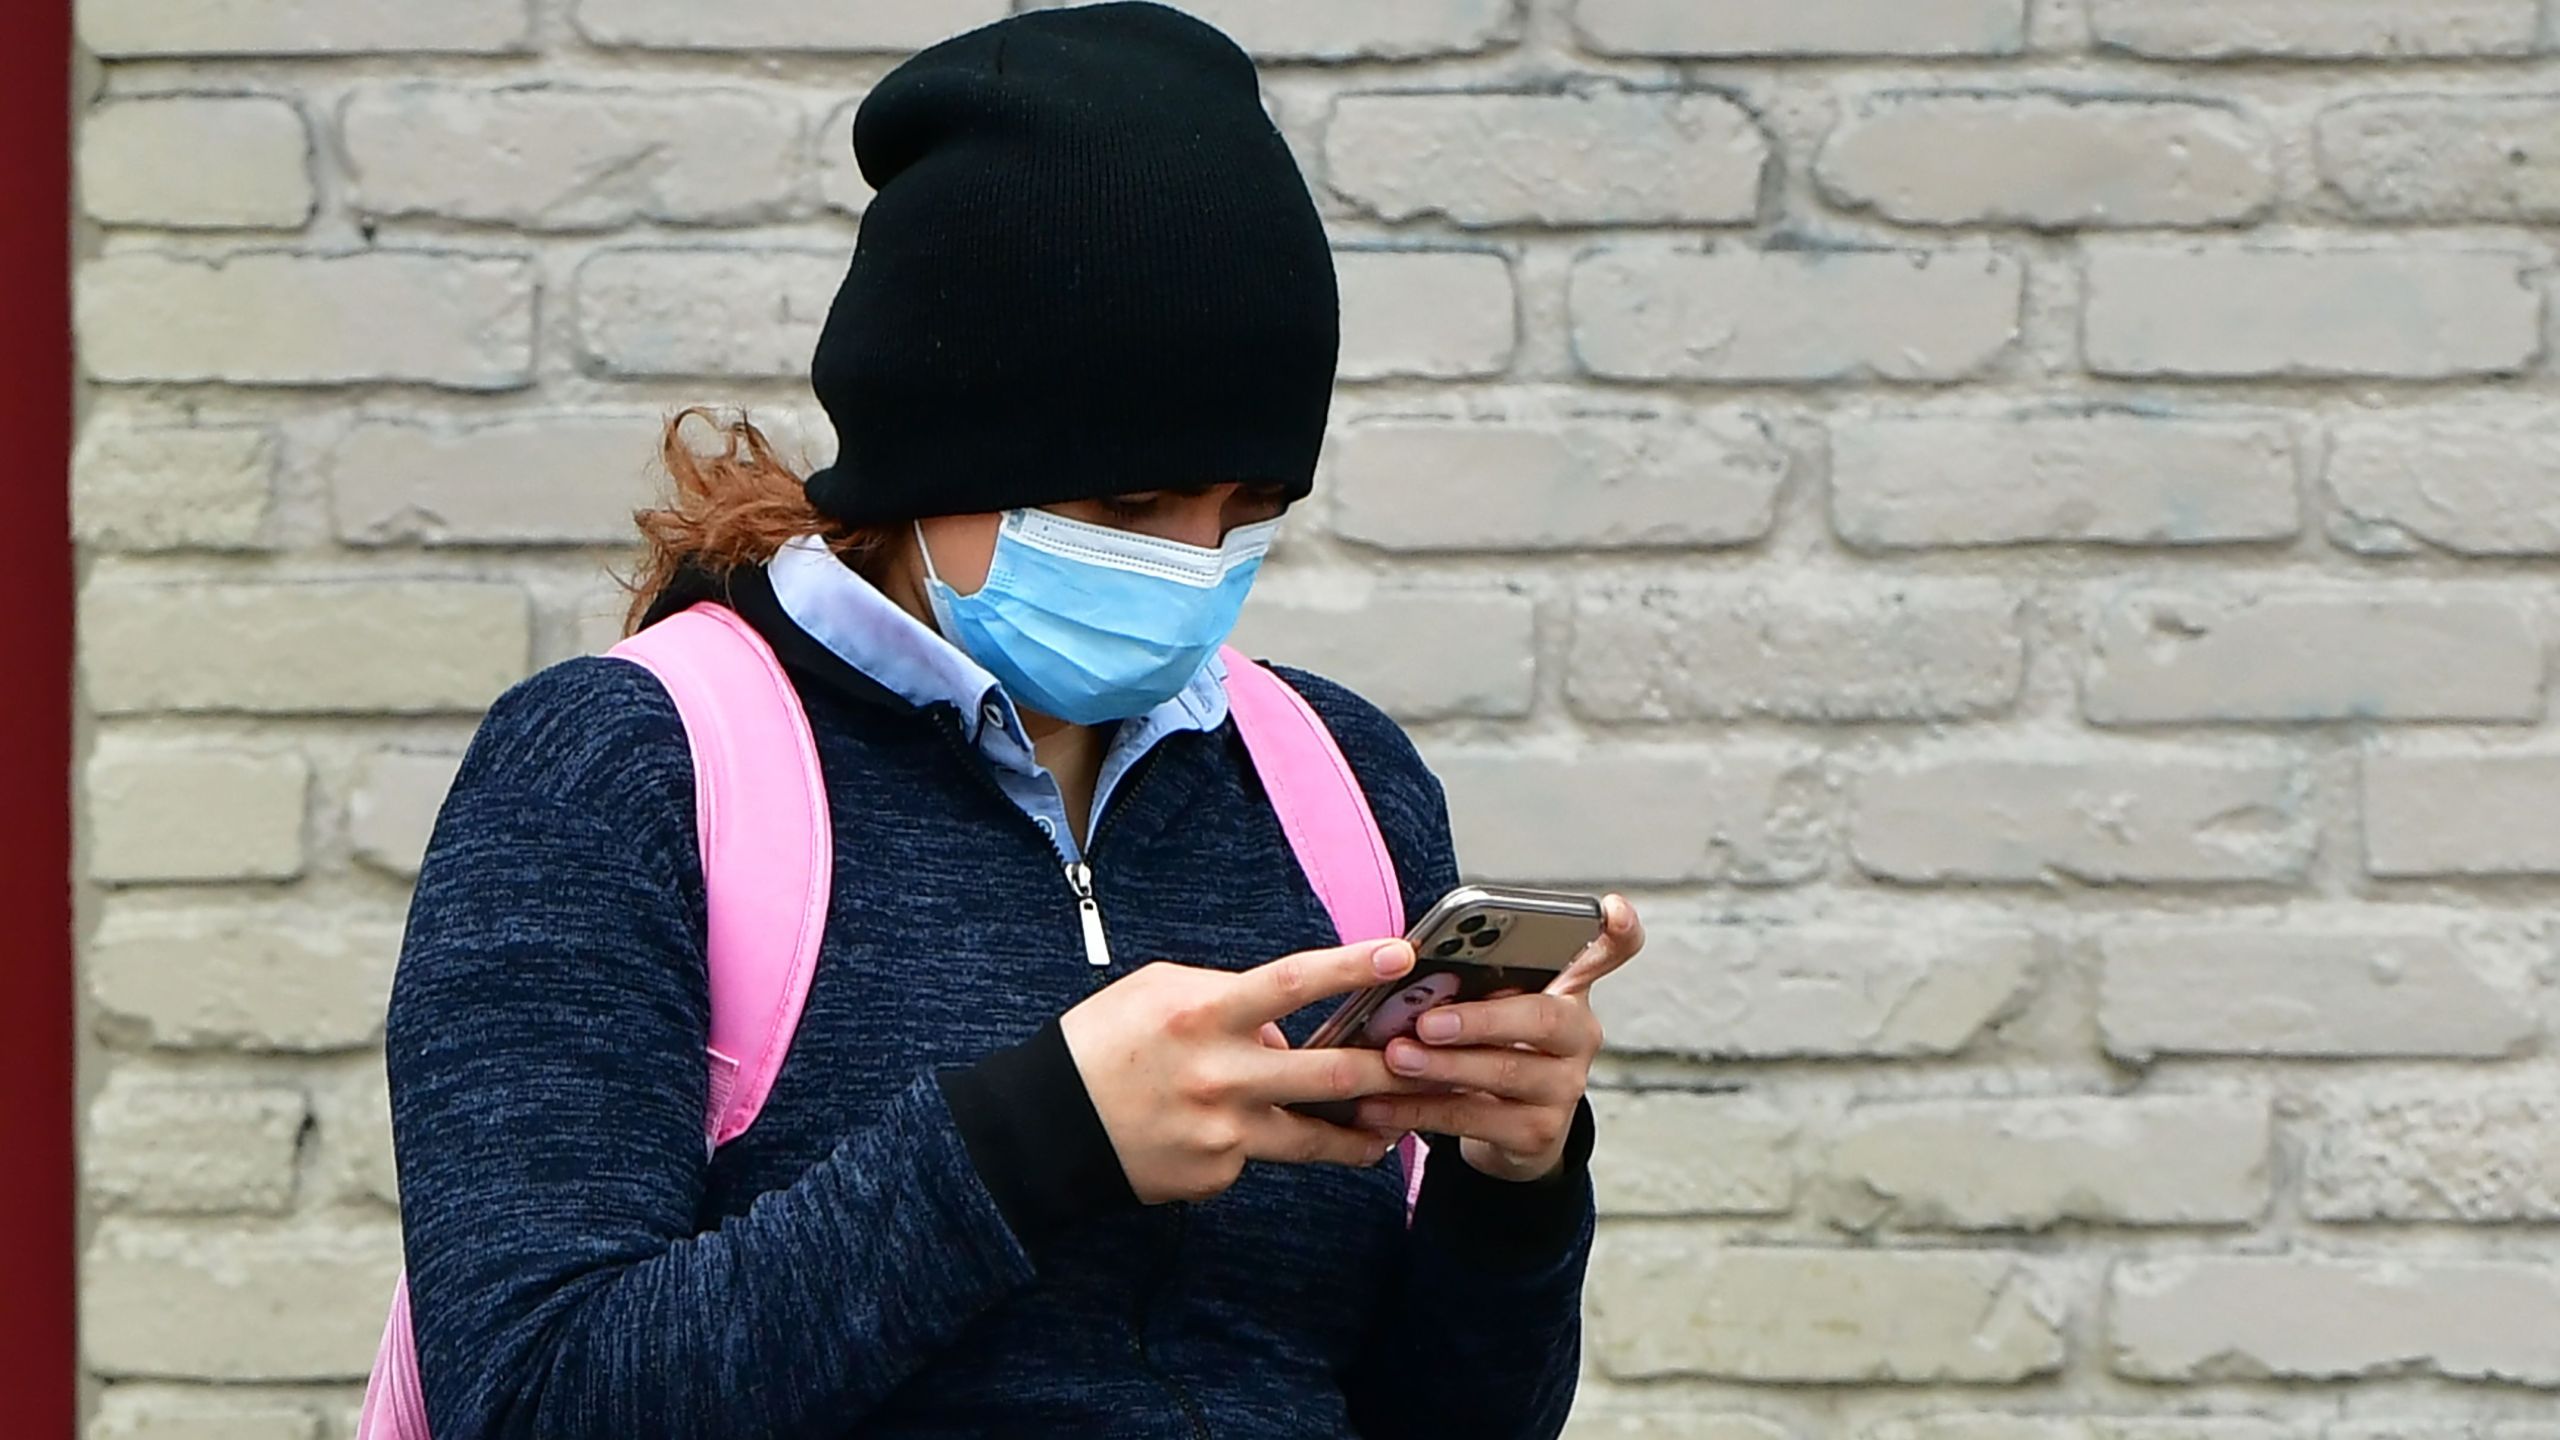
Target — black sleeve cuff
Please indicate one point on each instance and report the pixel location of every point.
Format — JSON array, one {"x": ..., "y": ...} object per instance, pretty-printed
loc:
[
  {"x": 1507, "y": 1225},
  {"x": 1035, "y": 1137}
]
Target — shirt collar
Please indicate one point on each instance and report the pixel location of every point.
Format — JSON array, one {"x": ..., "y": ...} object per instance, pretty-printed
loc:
[{"x": 874, "y": 634}]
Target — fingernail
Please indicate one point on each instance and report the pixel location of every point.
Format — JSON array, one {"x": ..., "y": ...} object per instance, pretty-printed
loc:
[
  {"x": 1435, "y": 1025},
  {"x": 1391, "y": 958},
  {"x": 1407, "y": 1059}
]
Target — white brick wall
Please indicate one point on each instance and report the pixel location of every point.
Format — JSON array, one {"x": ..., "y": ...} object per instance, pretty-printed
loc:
[
  {"x": 2021, "y": 528},
  {"x": 552, "y": 158},
  {"x": 2054, "y": 161}
]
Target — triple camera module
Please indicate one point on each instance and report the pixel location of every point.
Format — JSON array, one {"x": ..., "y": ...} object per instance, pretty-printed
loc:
[{"x": 1476, "y": 934}]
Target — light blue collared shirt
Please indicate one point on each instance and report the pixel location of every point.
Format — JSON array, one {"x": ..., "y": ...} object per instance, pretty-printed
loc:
[{"x": 875, "y": 635}]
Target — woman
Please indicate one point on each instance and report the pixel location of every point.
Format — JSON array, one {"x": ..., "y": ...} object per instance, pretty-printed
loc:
[{"x": 1004, "y": 1184}]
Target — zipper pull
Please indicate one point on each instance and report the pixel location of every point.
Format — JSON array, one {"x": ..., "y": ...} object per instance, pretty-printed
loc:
[{"x": 1097, "y": 949}]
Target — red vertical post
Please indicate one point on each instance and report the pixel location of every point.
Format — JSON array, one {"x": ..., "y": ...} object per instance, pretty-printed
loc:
[{"x": 38, "y": 1356}]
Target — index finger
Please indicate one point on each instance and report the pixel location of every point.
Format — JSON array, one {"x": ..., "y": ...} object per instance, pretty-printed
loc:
[{"x": 1291, "y": 983}]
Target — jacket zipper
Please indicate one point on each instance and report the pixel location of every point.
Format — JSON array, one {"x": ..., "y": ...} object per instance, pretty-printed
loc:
[
  {"x": 1097, "y": 946},
  {"x": 1079, "y": 875},
  {"x": 1097, "y": 954},
  {"x": 1138, "y": 1328}
]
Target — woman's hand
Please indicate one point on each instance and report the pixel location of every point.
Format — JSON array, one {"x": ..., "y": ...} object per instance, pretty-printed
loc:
[
  {"x": 1515, "y": 1067},
  {"x": 1182, "y": 1069}
]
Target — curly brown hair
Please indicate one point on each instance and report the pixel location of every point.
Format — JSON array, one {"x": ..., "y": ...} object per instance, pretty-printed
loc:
[{"x": 731, "y": 507}]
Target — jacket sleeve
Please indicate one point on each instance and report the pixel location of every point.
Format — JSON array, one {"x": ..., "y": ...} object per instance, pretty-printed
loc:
[
  {"x": 1480, "y": 1329},
  {"x": 546, "y": 1060},
  {"x": 1481, "y": 1332}
]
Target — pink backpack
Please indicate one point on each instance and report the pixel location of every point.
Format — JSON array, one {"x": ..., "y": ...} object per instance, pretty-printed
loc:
[{"x": 768, "y": 859}]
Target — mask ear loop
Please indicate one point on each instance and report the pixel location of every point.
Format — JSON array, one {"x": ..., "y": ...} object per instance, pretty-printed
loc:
[
  {"x": 925, "y": 550},
  {"x": 939, "y": 598}
]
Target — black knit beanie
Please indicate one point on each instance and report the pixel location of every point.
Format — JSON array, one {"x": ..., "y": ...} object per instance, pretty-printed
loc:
[{"x": 1091, "y": 267}]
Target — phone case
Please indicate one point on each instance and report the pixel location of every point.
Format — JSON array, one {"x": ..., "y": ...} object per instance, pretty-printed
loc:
[{"x": 1478, "y": 942}]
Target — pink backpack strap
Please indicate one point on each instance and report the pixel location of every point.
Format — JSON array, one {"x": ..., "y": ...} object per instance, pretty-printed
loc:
[
  {"x": 760, "y": 807},
  {"x": 395, "y": 1401},
  {"x": 768, "y": 849},
  {"x": 1322, "y": 809},
  {"x": 1326, "y": 816}
]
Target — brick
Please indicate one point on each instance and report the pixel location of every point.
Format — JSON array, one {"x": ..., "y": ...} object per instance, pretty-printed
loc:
[
  {"x": 284, "y": 318},
  {"x": 1734, "y": 315},
  {"x": 1818, "y": 1316},
  {"x": 1802, "y": 27},
  {"x": 2314, "y": 29},
  {"x": 1594, "y": 157},
  {"x": 296, "y": 1302},
  {"x": 152, "y": 1412},
  {"x": 354, "y": 1162},
  {"x": 1418, "y": 653},
  {"x": 170, "y": 1142},
  {"x": 1916, "y": 481},
  {"x": 137, "y": 486},
  {"x": 559, "y": 158},
  {"x": 1335, "y": 30},
  {"x": 2080, "y": 1427},
  {"x": 853, "y": 26},
  {"x": 188, "y": 815},
  {"x": 840, "y": 182},
  {"x": 2313, "y": 987},
  {"x": 566, "y": 479},
  {"x": 1818, "y": 991},
  {"x": 129, "y": 28},
  {"x": 243, "y": 977},
  {"x": 1431, "y": 314},
  {"x": 1674, "y": 1153},
  {"x": 2471, "y": 483},
  {"x": 2261, "y": 311},
  {"x": 740, "y": 314},
  {"x": 197, "y": 162},
  {"x": 1674, "y": 479},
  {"x": 2316, "y": 1318},
  {"x": 2094, "y": 816},
  {"x": 2477, "y": 1155},
  {"x": 2456, "y": 813},
  {"x": 2444, "y": 157},
  {"x": 2047, "y": 161},
  {"x": 393, "y": 811},
  {"x": 2302, "y": 656},
  {"x": 2437, "y": 1430},
  {"x": 1593, "y": 1422},
  {"x": 1728, "y": 650},
  {"x": 2034, "y": 1164},
  {"x": 1637, "y": 814},
  {"x": 415, "y": 647}
]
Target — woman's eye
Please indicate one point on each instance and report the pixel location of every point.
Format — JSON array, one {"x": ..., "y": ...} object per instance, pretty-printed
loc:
[{"x": 1129, "y": 507}]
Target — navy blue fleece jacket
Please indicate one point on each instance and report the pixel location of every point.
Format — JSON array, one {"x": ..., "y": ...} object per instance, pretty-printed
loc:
[{"x": 925, "y": 1233}]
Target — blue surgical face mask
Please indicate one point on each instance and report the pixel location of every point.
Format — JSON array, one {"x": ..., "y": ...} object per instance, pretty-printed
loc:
[{"x": 1091, "y": 624}]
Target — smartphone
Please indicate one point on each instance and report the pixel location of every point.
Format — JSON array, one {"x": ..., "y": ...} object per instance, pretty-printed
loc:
[{"x": 1478, "y": 941}]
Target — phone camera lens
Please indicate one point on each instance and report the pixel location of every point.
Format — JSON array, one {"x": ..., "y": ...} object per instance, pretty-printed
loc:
[
  {"x": 1483, "y": 939},
  {"x": 1471, "y": 925},
  {"x": 1448, "y": 947}
]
